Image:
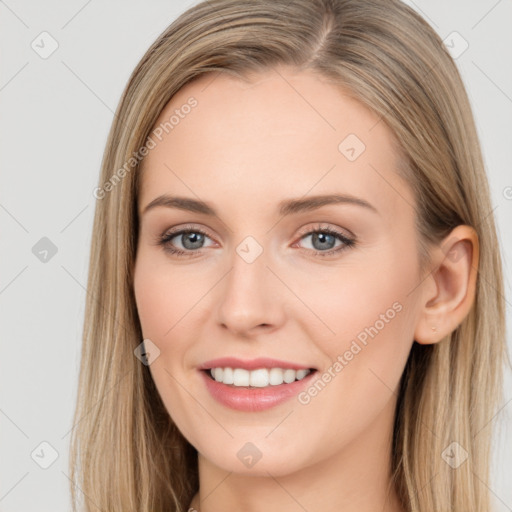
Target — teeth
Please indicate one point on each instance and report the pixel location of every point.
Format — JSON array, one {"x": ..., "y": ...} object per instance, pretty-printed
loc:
[
  {"x": 259, "y": 378},
  {"x": 241, "y": 377},
  {"x": 289, "y": 376},
  {"x": 300, "y": 374},
  {"x": 276, "y": 376},
  {"x": 227, "y": 376}
]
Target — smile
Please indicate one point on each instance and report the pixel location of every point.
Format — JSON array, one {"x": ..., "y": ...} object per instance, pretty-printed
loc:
[
  {"x": 260, "y": 378},
  {"x": 256, "y": 385}
]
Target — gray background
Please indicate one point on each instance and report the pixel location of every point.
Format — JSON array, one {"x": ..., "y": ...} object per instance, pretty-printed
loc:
[{"x": 54, "y": 120}]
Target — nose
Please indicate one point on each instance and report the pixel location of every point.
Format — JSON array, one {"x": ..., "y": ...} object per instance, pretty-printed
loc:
[{"x": 251, "y": 300}]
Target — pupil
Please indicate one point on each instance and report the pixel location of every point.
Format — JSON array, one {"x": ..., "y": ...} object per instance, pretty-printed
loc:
[
  {"x": 323, "y": 238},
  {"x": 192, "y": 240}
]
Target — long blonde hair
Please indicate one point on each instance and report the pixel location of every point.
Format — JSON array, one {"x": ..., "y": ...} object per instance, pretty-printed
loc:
[{"x": 126, "y": 454}]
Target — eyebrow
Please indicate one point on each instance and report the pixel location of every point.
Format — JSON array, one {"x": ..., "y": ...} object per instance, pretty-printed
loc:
[{"x": 285, "y": 207}]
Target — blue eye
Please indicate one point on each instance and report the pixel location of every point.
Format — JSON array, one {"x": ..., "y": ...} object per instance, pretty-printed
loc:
[
  {"x": 192, "y": 240},
  {"x": 323, "y": 241}
]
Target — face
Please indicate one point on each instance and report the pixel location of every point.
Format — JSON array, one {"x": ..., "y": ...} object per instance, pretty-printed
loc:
[{"x": 291, "y": 254}]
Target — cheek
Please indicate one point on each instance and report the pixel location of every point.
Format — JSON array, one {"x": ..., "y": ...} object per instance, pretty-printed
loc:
[
  {"x": 162, "y": 301},
  {"x": 367, "y": 314},
  {"x": 163, "y": 296},
  {"x": 372, "y": 317},
  {"x": 171, "y": 307}
]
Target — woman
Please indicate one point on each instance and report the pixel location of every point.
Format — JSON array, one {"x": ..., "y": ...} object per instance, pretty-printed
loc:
[{"x": 296, "y": 295}]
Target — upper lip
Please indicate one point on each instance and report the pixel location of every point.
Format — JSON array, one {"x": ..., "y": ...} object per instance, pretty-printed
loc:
[{"x": 252, "y": 364}]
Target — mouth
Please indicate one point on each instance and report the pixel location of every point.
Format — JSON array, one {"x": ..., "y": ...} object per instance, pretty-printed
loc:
[
  {"x": 258, "y": 378},
  {"x": 256, "y": 385}
]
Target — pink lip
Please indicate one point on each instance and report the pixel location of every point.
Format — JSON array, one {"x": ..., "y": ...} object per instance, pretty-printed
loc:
[
  {"x": 250, "y": 399},
  {"x": 253, "y": 364}
]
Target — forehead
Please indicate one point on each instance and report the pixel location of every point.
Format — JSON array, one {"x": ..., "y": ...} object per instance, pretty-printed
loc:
[{"x": 279, "y": 134}]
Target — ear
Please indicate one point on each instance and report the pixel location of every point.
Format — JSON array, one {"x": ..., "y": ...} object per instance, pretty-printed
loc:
[{"x": 448, "y": 292}]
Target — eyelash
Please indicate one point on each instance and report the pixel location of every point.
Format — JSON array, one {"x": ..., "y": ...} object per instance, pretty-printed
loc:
[{"x": 164, "y": 239}]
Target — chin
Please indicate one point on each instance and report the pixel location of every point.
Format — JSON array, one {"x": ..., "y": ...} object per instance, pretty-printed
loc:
[{"x": 259, "y": 458}]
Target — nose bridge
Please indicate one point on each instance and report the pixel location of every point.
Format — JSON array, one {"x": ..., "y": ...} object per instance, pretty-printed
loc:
[{"x": 248, "y": 296}]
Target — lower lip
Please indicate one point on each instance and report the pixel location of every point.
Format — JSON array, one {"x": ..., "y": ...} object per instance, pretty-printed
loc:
[{"x": 254, "y": 399}]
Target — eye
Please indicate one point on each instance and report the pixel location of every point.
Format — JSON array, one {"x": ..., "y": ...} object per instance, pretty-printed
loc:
[
  {"x": 323, "y": 241},
  {"x": 190, "y": 238}
]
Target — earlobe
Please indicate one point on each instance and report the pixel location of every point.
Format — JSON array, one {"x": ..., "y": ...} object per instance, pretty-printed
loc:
[{"x": 448, "y": 292}]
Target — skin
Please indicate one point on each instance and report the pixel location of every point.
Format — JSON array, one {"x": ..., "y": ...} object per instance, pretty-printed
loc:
[{"x": 270, "y": 139}]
